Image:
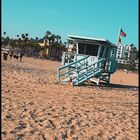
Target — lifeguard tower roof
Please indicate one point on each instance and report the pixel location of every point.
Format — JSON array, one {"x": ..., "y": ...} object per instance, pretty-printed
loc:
[{"x": 92, "y": 40}]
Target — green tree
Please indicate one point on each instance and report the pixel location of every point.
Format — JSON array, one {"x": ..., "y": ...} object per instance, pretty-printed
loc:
[
  {"x": 58, "y": 39},
  {"x": 4, "y": 33},
  {"x": 48, "y": 36},
  {"x": 52, "y": 39},
  {"x": 26, "y": 34},
  {"x": 23, "y": 36},
  {"x": 6, "y": 40},
  {"x": 36, "y": 39},
  {"x": 133, "y": 56}
]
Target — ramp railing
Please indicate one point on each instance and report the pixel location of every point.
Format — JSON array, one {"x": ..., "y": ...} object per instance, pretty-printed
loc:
[
  {"x": 65, "y": 71},
  {"x": 79, "y": 71}
]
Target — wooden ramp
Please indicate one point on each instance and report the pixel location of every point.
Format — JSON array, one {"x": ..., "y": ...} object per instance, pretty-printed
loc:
[{"x": 80, "y": 71}]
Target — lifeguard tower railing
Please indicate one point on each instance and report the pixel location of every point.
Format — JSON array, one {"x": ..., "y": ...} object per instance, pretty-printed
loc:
[{"x": 79, "y": 71}]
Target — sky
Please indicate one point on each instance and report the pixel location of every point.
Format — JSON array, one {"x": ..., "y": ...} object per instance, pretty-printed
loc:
[{"x": 91, "y": 18}]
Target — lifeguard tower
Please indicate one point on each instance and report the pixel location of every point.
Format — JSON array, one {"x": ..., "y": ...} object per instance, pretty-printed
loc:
[{"x": 90, "y": 59}]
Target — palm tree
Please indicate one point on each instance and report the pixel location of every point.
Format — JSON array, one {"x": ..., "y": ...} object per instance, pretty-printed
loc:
[
  {"x": 65, "y": 43},
  {"x": 26, "y": 34},
  {"x": 23, "y": 44},
  {"x": 58, "y": 38},
  {"x": 26, "y": 37},
  {"x": 4, "y": 38},
  {"x": 7, "y": 39},
  {"x": 52, "y": 38},
  {"x": 48, "y": 36},
  {"x": 48, "y": 33},
  {"x": 4, "y": 33},
  {"x": 133, "y": 55},
  {"x": 23, "y": 36},
  {"x": 36, "y": 39}
]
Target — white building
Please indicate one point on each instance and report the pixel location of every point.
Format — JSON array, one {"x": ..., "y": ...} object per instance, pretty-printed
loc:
[
  {"x": 120, "y": 51},
  {"x": 137, "y": 64},
  {"x": 123, "y": 53},
  {"x": 128, "y": 49}
]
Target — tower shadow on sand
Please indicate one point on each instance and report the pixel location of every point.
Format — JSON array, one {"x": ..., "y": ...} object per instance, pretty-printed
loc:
[{"x": 111, "y": 85}]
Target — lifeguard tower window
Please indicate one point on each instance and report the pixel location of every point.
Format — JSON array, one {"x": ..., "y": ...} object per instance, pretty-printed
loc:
[
  {"x": 88, "y": 49},
  {"x": 101, "y": 52}
]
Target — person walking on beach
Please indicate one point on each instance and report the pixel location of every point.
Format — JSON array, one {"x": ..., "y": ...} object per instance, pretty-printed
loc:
[
  {"x": 11, "y": 52},
  {"x": 5, "y": 55},
  {"x": 20, "y": 56},
  {"x": 15, "y": 55}
]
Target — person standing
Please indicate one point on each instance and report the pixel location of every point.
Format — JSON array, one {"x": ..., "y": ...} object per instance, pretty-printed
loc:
[
  {"x": 5, "y": 55},
  {"x": 20, "y": 56},
  {"x": 11, "y": 52}
]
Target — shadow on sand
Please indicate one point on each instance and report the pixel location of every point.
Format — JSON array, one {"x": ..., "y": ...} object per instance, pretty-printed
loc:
[
  {"x": 104, "y": 85},
  {"x": 121, "y": 86}
]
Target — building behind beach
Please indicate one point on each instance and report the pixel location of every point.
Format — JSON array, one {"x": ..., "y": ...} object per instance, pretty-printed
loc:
[{"x": 124, "y": 53}]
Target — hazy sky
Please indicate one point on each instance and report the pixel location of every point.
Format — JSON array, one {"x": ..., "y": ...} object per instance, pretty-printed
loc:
[{"x": 93, "y": 18}]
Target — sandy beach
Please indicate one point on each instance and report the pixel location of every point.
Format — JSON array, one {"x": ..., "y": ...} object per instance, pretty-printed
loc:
[{"x": 36, "y": 107}]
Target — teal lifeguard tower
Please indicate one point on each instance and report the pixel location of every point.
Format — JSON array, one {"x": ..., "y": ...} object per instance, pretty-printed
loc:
[{"x": 90, "y": 59}]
